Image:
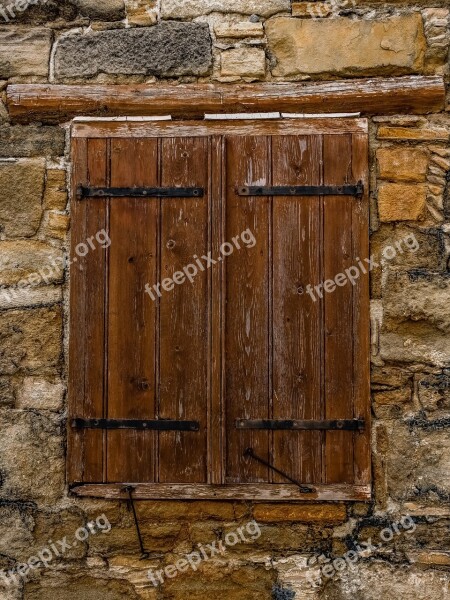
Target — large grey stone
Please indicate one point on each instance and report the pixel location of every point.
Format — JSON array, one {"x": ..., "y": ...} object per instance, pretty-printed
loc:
[
  {"x": 169, "y": 49},
  {"x": 188, "y": 9},
  {"x": 24, "y": 52},
  {"x": 21, "y": 191},
  {"x": 32, "y": 140}
]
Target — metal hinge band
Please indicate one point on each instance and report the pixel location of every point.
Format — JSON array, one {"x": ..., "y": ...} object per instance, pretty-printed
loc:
[
  {"x": 152, "y": 424},
  {"x": 139, "y": 192},
  {"x": 356, "y": 190},
  {"x": 302, "y": 425}
]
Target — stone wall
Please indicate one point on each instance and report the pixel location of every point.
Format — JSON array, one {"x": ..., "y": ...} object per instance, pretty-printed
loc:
[{"x": 116, "y": 41}]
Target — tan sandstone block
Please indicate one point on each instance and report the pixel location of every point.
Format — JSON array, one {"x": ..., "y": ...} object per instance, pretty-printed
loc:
[
  {"x": 56, "y": 225},
  {"x": 189, "y": 9},
  {"x": 244, "y": 62},
  {"x": 311, "y": 9},
  {"x": 343, "y": 46},
  {"x": 55, "y": 196},
  {"x": 407, "y": 133},
  {"x": 141, "y": 12},
  {"x": 300, "y": 512},
  {"x": 401, "y": 202},
  {"x": 30, "y": 262},
  {"x": 239, "y": 30},
  {"x": 31, "y": 339},
  {"x": 21, "y": 188},
  {"x": 402, "y": 164},
  {"x": 24, "y": 52},
  {"x": 40, "y": 394}
]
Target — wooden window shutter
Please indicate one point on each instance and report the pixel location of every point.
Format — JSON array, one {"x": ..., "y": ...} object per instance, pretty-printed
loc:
[{"x": 258, "y": 381}]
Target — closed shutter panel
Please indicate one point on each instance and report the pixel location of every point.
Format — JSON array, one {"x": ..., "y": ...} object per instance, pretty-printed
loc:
[
  {"x": 289, "y": 357},
  {"x": 131, "y": 357},
  {"x": 243, "y": 351}
]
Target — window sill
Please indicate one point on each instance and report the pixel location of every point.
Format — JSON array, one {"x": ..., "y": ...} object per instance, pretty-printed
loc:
[{"x": 200, "y": 491}]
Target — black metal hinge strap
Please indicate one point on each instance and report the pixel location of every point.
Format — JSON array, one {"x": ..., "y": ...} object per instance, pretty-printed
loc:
[
  {"x": 356, "y": 190},
  {"x": 302, "y": 425},
  {"x": 144, "y": 553},
  {"x": 152, "y": 424},
  {"x": 139, "y": 192},
  {"x": 305, "y": 489}
]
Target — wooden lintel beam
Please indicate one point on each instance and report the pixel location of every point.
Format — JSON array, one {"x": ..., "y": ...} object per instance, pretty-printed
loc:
[{"x": 53, "y": 103}]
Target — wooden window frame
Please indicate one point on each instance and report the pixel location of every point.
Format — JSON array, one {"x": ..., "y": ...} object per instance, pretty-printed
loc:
[{"x": 242, "y": 491}]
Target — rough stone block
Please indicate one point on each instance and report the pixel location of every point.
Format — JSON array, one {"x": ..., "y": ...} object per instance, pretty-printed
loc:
[
  {"x": 189, "y": 9},
  {"x": 26, "y": 141},
  {"x": 419, "y": 297},
  {"x": 401, "y": 202},
  {"x": 81, "y": 586},
  {"x": 415, "y": 342},
  {"x": 243, "y": 62},
  {"x": 56, "y": 225},
  {"x": 21, "y": 189},
  {"x": 105, "y": 10},
  {"x": 31, "y": 339},
  {"x": 35, "y": 262},
  {"x": 314, "y": 10},
  {"x": 165, "y": 50},
  {"x": 40, "y": 394},
  {"x": 191, "y": 511},
  {"x": 6, "y": 392},
  {"x": 14, "y": 297},
  {"x": 416, "y": 462},
  {"x": 55, "y": 195},
  {"x": 342, "y": 46},
  {"x": 31, "y": 457},
  {"x": 412, "y": 134},
  {"x": 377, "y": 579},
  {"x": 402, "y": 164},
  {"x": 24, "y": 52},
  {"x": 142, "y": 12}
]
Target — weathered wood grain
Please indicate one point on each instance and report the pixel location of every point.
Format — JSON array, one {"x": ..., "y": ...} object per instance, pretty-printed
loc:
[
  {"x": 412, "y": 94},
  {"x": 257, "y": 492}
]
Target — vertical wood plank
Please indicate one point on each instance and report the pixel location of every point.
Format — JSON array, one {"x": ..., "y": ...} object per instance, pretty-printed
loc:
[
  {"x": 131, "y": 318},
  {"x": 77, "y": 346},
  {"x": 94, "y": 267},
  {"x": 338, "y": 309},
  {"x": 247, "y": 309},
  {"x": 216, "y": 421},
  {"x": 361, "y": 312},
  {"x": 184, "y": 313},
  {"x": 297, "y": 319}
]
